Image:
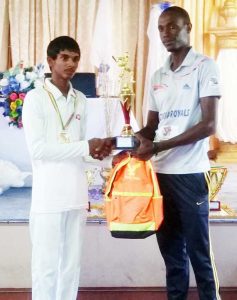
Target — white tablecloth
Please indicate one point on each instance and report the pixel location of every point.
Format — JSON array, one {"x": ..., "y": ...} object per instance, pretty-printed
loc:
[{"x": 12, "y": 141}]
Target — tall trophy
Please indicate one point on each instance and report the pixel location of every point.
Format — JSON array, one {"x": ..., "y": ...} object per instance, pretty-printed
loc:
[{"x": 126, "y": 140}]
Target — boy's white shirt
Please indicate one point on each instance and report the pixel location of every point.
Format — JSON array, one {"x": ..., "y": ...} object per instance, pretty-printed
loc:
[{"x": 59, "y": 177}]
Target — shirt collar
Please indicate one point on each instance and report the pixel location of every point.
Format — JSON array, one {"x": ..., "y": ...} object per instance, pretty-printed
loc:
[
  {"x": 56, "y": 92},
  {"x": 188, "y": 61}
]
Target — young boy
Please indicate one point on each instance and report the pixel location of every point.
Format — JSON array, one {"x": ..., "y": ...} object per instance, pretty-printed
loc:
[{"x": 54, "y": 123}]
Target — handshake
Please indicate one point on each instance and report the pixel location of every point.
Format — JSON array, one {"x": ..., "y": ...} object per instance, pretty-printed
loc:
[
  {"x": 100, "y": 148},
  {"x": 143, "y": 149}
]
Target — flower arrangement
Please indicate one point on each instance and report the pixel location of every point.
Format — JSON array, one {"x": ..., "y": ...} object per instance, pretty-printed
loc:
[{"x": 14, "y": 85}]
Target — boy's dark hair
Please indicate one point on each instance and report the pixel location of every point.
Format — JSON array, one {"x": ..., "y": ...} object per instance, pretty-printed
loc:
[
  {"x": 62, "y": 43},
  {"x": 179, "y": 12}
]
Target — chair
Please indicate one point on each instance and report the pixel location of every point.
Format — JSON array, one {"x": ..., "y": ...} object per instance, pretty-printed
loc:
[{"x": 83, "y": 82}]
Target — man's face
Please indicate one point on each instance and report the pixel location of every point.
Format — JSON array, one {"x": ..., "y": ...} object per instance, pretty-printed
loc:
[
  {"x": 174, "y": 32},
  {"x": 65, "y": 64}
]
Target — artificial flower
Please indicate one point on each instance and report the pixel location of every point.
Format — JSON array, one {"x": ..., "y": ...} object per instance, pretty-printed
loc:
[
  {"x": 14, "y": 85},
  {"x": 13, "y": 96},
  {"x": 20, "y": 77},
  {"x": 22, "y": 95}
]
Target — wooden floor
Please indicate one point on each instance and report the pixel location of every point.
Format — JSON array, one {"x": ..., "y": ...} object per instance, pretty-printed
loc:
[{"x": 117, "y": 294}]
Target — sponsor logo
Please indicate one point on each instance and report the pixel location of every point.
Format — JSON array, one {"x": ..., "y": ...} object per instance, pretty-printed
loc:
[
  {"x": 186, "y": 87},
  {"x": 159, "y": 87},
  {"x": 174, "y": 114},
  {"x": 132, "y": 171},
  {"x": 213, "y": 81},
  {"x": 166, "y": 130},
  {"x": 200, "y": 203}
]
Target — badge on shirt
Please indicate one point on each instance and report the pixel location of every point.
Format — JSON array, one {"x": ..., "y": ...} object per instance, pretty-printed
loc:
[
  {"x": 167, "y": 132},
  {"x": 78, "y": 117},
  {"x": 213, "y": 81},
  {"x": 64, "y": 137}
]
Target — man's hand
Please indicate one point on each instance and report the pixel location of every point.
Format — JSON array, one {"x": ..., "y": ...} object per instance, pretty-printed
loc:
[
  {"x": 146, "y": 149},
  {"x": 100, "y": 148}
]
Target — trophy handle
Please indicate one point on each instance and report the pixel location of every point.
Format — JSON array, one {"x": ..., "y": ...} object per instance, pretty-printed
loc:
[{"x": 217, "y": 177}]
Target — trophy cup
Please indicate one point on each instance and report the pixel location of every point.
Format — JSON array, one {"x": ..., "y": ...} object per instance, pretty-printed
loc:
[
  {"x": 126, "y": 140},
  {"x": 217, "y": 176}
]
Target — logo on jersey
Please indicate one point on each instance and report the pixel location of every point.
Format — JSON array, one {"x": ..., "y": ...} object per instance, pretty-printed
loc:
[
  {"x": 166, "y": 131},
  {"x": 213, "y": 81},
  {"x": 159, "y": 87},
  {"x": 186, "y": 87},
  {"x": 174, "y": 114}
]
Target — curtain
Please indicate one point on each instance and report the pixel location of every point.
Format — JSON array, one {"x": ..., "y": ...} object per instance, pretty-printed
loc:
[
  {"x": 4, "y": 35},
  {"x": 157, "y": 54},
  {"x": 227, "y": 112},
  {"x": 43, "y": 20}
]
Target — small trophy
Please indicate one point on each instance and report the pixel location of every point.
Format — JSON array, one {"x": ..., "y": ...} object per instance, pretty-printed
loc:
[
  {"x": 126, "y": 140},
  {"x": 105, "y": 174},
  {"x": 217, "y": 177},
  {"x": 90, "y": 174}
]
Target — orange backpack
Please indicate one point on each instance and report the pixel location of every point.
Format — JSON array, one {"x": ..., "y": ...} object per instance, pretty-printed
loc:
[{"x": 133, "y": 204}]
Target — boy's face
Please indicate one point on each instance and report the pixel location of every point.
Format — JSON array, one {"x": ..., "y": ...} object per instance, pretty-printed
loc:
[{"x": 65, "y": 64}]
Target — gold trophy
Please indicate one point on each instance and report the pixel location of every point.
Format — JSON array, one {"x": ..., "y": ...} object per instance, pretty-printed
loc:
[
  {"x": 217, "y": 176},
  {"x": 126, "y": 140}
]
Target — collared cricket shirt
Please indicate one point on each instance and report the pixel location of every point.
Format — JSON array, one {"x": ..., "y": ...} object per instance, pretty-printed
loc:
[
  {"x": 176, "y": 96},
  {"x": 59, "y": 178}
]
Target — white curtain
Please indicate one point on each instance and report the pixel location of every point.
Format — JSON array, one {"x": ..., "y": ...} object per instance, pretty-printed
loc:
[
  {"x": 157, "y": 54},
  {"x": 102, "y": 48},
  {"x": 227, "y": 111},
  {"x": 4, "y": 34}
]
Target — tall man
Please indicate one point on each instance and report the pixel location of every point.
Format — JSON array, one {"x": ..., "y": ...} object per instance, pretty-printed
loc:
[{"x": 182, "y": 114}]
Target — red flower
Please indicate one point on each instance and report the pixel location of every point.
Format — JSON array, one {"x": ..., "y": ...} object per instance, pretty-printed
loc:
[
  {"x": 13, "y": 96},
  {"x": 22, "y": 96}
]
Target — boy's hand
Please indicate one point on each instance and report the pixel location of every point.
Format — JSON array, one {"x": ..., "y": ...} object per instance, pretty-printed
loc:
[{"x": 100, "y": 148}]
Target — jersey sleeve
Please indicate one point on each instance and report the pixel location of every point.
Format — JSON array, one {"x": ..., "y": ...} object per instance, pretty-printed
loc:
[{"x": 209, "y": 79}]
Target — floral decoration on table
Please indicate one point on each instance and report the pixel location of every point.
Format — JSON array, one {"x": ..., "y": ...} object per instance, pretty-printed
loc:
[{"x": 14, "y": 85}]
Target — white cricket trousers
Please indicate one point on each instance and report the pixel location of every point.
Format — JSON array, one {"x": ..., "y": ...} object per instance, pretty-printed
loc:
[{"x": 56, "y": 253}]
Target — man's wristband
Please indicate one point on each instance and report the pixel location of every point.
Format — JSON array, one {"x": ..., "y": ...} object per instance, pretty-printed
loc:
[{"x": 155, "y": 148}]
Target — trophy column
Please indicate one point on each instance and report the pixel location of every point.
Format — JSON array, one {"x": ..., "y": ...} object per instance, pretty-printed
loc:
[{"x": 126, "y": 140}]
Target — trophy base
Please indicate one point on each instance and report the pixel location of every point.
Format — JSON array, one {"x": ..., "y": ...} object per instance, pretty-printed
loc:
[
  {"x": 215, "y": 205},
  {"x": 125, "y": 142},
  {"x": 127, "y": 131}
]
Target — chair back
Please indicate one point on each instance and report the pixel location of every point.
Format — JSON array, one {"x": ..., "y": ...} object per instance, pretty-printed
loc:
[{"x": 83, "y": 82}]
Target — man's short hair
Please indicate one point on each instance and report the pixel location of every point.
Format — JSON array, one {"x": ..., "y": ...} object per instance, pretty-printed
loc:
[
  {"x": 62, "y": 43},
  {"x": 179, "y": 12}
]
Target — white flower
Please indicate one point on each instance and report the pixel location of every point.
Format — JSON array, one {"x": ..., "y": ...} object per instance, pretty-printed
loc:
[
  {"x": 31, "y": 76},
  {"x": 39, "y": 70},
  {"x": 4, "y": 82},
  {"x": 25, "y": 85},
  {"x": 20, "y": 78}
]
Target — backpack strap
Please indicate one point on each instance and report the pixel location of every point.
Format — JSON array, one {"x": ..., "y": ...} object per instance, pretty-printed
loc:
[{"x": 113, "y": 174}]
